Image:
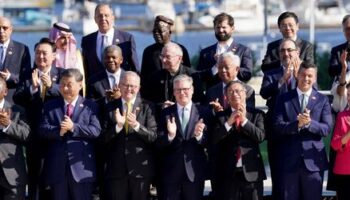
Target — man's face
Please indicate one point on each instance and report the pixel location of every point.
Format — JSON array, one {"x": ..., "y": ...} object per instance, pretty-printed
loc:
[
  {"x": 289, "y": 28},
  {"x": 69, "y": 88},
  {"x": 129, "y": 87},
  {"x": 183, "y": 92},
  {"x": 288, "y": 52},
  {"x": 236, "y": 95},
  {"x": 44, "y": 56},
  {"x": 223, "y": 31},
  {"x": 161, "y": 32},
  {"x": 3, "y": 92},
  {"x": 346, "y": 30},
  {"x": 63, "y": 41},
  {"x": 227, "y": 70},
  {"x": 112, "y": 61},
  {"x": 104, "y": 18},
  {"x": 170, "y": 60},
  {"x": 306, "y": 78},
  {"x": 5, "y": 29}
]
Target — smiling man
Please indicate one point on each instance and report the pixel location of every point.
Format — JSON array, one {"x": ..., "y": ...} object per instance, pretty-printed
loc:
[{"x": 302, "y": 119}]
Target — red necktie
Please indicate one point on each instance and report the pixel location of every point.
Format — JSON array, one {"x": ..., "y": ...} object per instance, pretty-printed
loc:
[
  {"x": 238, "y": 126},
  {"x": 69, "y": 111}
]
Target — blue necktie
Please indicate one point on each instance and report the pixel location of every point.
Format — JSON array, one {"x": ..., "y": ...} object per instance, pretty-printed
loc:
[{"x": 1, "y": 56}]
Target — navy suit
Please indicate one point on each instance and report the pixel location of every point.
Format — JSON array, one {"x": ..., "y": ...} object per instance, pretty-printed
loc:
[
  {"x": 183, "y": 162},
  {"x": 124, "y": 40},
  {"x": 301, "y": 153},
  {"x": 306, "y": 53},
  {"x": 334, "y": 67},
  {"x": 17, "y": 62},
  {"x": 207, "y": 61},
  {"x": 70, "y": 156}
]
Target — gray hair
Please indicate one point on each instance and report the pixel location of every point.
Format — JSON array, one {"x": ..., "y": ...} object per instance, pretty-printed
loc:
[
  {"x": 72, "y": 72},
  {"x": 182, "y": 77},
  {"x": 288, "y": 40},
  {"x": 132, "y": 74},
  {"x": 175, "y": 47},
  {"x": 235, "y": 59}
]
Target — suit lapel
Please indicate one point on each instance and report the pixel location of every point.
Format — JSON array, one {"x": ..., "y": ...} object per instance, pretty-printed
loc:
[
  {"x": 9, "y": 54},
  {"x": 105, "y": 82},
  {"x": 194, "y": 115},
  {"x": 116, "y": 39},
  {"x": 54, "y": 74},
  {"x": 79, "y": 106},
  {"x": 312, "y": 100},
  {"x": 137, "y": 107},
  {"x": 295, "y": 101}
]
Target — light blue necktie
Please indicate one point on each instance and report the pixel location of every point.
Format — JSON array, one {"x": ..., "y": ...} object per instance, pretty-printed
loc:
[
  {"x": 303, "y": 102},
  {"x": 184, "y": 119},
  {"x": 103, "y": 45},
  {"x": 1, "y": 56}
]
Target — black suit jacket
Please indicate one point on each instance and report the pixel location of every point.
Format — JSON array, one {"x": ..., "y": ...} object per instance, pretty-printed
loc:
[
  {"x": 334, "y": 67},
  {"x": 184, "y": 156},
  {"x": 306, "y": 50},
  {"x": 17, "y": 61},
  {"x": 151, "y": 62},
  {"x": 124, "y": 40},
  {"x": 247, "y": 139},
  {"x": 216, "y": 92},
  {"x": 138, "y": 162},
  {"x": 207, "y": 61},
  {"x": 11, "y": 147}
]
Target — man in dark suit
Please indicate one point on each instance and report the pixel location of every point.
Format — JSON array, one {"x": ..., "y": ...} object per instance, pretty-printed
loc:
[
  {"x": 181, "y": 141},
  {"x": 32, "y": 93},
  {"x": 93, "y": 44},
  {"x": 69, "y": 125},
  {"x": 281, "y": 79},
  {"x": 162, "y": 35},
  {"x": 224, "y": 28},
  {"x": 129, "y": 129},
  {"x": 302, "y": 119},
  {"x": 335, "y": 67},
  {"x": 228, "y": 68},
  {"x": 159, "y": 87},
  {"x": 238, "y": 169},
  {"x": 14, "y": 131},
  {"x": 288, "y": 24},
  {"x": 14, "y": 59}
]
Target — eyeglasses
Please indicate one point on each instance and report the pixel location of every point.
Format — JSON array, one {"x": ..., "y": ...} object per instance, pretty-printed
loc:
[
  {"x": 129, "y": 86},
  {"x": 289, "y": 50},
  {"x": 179, "y": 90},
  {"x": 237, "y": 91},
  {"x": 167, "y": 57}
]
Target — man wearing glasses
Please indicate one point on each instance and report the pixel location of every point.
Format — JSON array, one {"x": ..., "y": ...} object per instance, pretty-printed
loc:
[
  {"x": 182, "y": 137},
  {"x": 239, "y": 170},
  {"x": 289, "y": 25},
  {"x": 159, "y": 88}
]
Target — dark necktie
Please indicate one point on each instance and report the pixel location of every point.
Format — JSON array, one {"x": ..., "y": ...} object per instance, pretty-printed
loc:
[
  {"x": 1, "y": 57},
  {"x": 69, "y": 111},
  {"x": 103, "y": 45}
]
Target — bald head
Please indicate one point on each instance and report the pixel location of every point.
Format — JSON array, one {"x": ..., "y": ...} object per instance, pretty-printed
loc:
[{"x": 5, "y": 29}]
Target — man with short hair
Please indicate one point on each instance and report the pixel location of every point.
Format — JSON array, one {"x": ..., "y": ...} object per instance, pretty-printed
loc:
[
  {"x": 224, "y": 28},
  {"x": 302, "y": 119},
  {"x": 15, "y": 64},
  {"x": 162, "y": 35},
  {"x": 181, "y": 144},
  {"x": 70, "y": 125},
  {"x": 129, "y": 126},
  {"x": 288, "y": 25},
  {"x": 94, "y": 44}
]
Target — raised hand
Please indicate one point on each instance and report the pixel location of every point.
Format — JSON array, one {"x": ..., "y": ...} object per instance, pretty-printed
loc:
[
  {"x": 171, "y": 126},
  {"x": 119, "y": 118},
  {"x": 46, "y": 80},
  {"x": 5, "y": 74},
  {"x": 216, "y": 105},
  {"x": 35, "y": 78},
  {"x": 199, "y": 128}
]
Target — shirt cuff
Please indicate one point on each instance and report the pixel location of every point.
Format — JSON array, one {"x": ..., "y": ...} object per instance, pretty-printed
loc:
[
  {"x": 5, "y": 129},
  {"x": 199, "y": 137},
  {"x": 244, "y": 122},
  {"x": 171, "y": 138},
  {"x": 33, "y": 91},
  {"x": 118, "y": 129},
  {"x": 228, "y": 127},
  {"x": 137, "y": 128},
  {"x": 8, "y": 77}
]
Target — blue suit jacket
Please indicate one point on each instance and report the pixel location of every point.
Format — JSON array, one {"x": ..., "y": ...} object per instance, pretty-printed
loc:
[
  {"x": 305, "y": 145},
  {"x": 184, "y": 156},
  {"x": 207, "y": 61},
  {"x": 124, "y": 40},
  {"x": 75, "y": 147}
]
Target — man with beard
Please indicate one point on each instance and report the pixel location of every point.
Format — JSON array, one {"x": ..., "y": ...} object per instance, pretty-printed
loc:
[
  {"x": 162, "y": 35},
  {"x": 224, "y": 28}
]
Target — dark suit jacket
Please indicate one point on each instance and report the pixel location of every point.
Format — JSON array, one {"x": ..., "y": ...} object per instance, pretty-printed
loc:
[
  {"x": 11, "y": 147},
  {"x": 307, "y": 144},
  {"x": 247, "y": 139},
  {"x": 207, "y": 61},
  {"x": 124, "y": 40},
  {"x": 139, "y": 161},
  {"x": 334, "y": 67},
  {"x": 217, "y": 92},
  {"x": 272, "y": 53},
  {"x": 151, "y": 62},
  {"x": 17, "y": 61},
  {"x": 184, "y": 156},
  {"x": 75, "y": 148}
]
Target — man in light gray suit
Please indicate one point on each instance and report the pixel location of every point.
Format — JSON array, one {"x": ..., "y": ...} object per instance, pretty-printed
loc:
[{"x": 13, "y": 132}]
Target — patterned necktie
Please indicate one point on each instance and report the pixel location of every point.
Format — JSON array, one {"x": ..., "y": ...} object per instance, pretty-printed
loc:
[
  {"x": 69, "y": 111},
  {"x": 184, "y": 119},
  {"x": 238, "y": 124},
  {"x": 128, "y": 110}
]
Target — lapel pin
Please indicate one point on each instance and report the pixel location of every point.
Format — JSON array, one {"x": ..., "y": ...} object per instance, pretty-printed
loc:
[
  {"x": 233, "y": 50},
  {"x": 81, "y": 105},
  {"x": 54, "y": 79},
  {"x": 117, "y": 40},
  {"x": 313, "y": 98},
  {"x": 10, "y": 53}
]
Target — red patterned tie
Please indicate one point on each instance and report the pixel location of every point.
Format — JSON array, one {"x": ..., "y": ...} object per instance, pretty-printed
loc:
[
  {"x": 238, "y": 126},
  {"x": 69, "y": 112}
]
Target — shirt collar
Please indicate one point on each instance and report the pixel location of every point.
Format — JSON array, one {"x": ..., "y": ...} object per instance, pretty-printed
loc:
[
  {"x": 41, "y": 72},
  {"x": 307, "y": 93},
  {"x": 116, "y": 74},
  {"x": 132, "y": 101},
  {"x": 180, "y": 107},
  {"x": 6, "y": 44},
  {"x": 2, "y": 103},
  {"x": 73, "y": 102},
  {"x": 109, "y": 34}
]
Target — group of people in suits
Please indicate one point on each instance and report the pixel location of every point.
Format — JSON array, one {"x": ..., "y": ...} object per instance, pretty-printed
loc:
[{"x": 172, "y": 126}]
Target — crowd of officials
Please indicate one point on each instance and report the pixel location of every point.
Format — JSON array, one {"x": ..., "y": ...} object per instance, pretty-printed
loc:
[{"x": 96, "y": 124}]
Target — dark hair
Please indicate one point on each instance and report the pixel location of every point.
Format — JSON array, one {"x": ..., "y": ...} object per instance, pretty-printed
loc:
[
  {"x": 72, "y": 72},
  {"x": 46, "y": 41},
  {"x": 307, "y": 65},
  {"x": 234, "y": 82},
  {"x": 222, "y": 17},
  {"x": 345, "y": 19},
  {"x": 347, "y": 85},
  {"x": 287, "y": 15}
]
